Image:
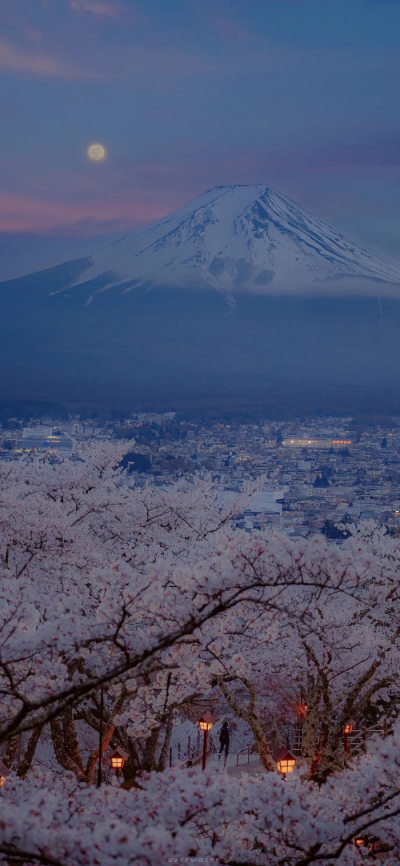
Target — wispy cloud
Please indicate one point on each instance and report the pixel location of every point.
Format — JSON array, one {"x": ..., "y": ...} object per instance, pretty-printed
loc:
[
  {"x": 246, "y": 46},
  {"x": 21, "y": 214},
  {"x": 101, "y": 8},
  {"x": 15, "y": 58}
]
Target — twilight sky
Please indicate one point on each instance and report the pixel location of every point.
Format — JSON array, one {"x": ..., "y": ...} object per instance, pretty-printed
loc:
[{"x": 303, "y": 95}]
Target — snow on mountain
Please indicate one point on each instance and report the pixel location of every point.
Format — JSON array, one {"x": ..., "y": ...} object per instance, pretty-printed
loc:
[{"x": 245, "y": 238}]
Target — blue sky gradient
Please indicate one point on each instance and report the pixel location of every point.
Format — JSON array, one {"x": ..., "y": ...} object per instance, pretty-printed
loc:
[{"x": 186, "y": 94}]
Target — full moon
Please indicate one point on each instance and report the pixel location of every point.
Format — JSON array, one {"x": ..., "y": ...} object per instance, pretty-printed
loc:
[{"x": 96, "y": 152}]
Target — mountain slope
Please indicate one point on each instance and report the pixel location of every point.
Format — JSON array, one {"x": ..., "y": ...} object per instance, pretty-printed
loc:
[
  {"x": 238, "y": 293},
  {"x": 245, "y": 238}
]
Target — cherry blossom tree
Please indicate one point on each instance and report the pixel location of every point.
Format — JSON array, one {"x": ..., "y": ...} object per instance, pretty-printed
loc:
[
  {"x": 186, "y": 816},
  {"x": 148, "y": 635},
  {"x": 59, "y": 524},
  {"x": 322, "y": 669},
  {"x": 137, "y": 629},
  {"x": 150, "y": 597}
]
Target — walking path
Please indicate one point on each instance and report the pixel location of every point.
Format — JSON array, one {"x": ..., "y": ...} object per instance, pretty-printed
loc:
[{"x": 254, "y": 767}]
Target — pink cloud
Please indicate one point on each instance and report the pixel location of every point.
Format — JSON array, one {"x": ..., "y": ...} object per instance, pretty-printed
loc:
[
  {"x": 19, "y": 214},
  {"x": 229, "y": 28},
  {"x": 16, "y": 59},
  {"x": 101, "y": 8}
]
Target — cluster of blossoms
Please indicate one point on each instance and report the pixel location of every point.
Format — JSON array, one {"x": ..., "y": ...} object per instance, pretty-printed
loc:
[
  {"x": 192, "y": 817},
  {"x": 149, "y": 599}
]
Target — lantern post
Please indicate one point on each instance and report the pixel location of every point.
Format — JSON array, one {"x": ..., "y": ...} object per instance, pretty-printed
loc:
[
  {"x": 4, "y": 772},
  {"x": 205, "y": 724},
  {"x": 100, "y": 766},
  {"x": 346, "y": 736},
  {"x": 284, "y": 760},
  {"x": 117, "y": 760}
]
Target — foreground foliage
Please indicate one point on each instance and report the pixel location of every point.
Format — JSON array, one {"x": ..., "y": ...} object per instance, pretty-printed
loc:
[
  {"x": 262, "y": 820},
  {"x": 149, "y": 596}
]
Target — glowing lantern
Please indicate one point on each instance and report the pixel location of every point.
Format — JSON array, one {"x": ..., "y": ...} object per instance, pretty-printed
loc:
[
  {"x": 300, "y": 706},
  {"x": 284, "y": 760},
  {"x": 205, "y": 724},
  {"x": 347, "y": 731},
  {"x": 4, "y": 772},
  {"x": 117, "y": 762},
  {"x": 374, "y": 845},
  {"x": 301, "y": 711},
  {"x": 117, "y": 759},
  {"x": 359, "y": 842}
]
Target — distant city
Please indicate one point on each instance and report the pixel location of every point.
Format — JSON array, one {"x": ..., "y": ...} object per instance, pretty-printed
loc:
[{"x": 316, "y": 476}]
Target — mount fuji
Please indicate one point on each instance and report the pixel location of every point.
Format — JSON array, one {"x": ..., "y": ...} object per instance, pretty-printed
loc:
[
  {"x": 240, "y": 295},
  {"x": 244, "y": 238}
]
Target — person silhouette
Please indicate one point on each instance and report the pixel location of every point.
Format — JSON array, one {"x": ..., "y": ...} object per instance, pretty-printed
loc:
[{"x": 224, "y": 740}]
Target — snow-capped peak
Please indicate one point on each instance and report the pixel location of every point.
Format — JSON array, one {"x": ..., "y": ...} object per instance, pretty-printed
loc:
[{"x": 245, "y": 238}]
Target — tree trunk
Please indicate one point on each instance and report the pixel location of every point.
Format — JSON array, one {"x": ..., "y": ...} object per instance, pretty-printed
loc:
[
  {"x": 26, "y": 764},
  {"x": 311, "y": 723},
  {"x": 71, "y": 737},
  {"x": 132, "y": 765},
  {"x": 151, "y": 743},
  {"x": 250, "y": 715},
  {"x": 11, "y": 752},
  {"x": 165, "y": 747},
  {"x": 61, "y": 752},
  {"x": 107, "y": 737}
]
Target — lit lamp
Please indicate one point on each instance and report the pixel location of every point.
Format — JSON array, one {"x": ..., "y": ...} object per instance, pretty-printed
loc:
[
  {"x": 301, "y": 711},
  {"x": 117, "y": 760},
  {"x": 284, "y": 760},
  {"x": 374, "y": 845},
  {"x": 4, "y": 772},
  {"x": 205, "y": 724},
  {"x": 347, "y": 731}
]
